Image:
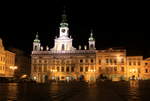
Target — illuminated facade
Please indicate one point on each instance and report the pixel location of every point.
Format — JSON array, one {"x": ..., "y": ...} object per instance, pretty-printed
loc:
[
  {"x": 7, "y": 60},
  {"x": 64, "y": 62}
]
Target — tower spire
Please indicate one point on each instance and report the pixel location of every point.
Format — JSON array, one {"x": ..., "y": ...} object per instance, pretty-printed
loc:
[
  {"x": 64, "y": 16},
  {"x": 91, "y": 36},
  {"x": 37, "y": 38},
  {"x": 37, "y": 35},
  {"x": 64, "y": 19}
]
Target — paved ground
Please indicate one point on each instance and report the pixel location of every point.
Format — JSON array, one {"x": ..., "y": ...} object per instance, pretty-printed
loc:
[{"x": 76, "y": 91}]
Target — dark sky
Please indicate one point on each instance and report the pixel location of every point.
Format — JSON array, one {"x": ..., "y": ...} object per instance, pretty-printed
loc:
[{"x": 113, "y": 24}]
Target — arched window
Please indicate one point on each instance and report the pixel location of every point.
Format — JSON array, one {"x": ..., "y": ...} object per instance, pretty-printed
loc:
[
  {"x": 63, "y": 47},
  {"x": 92, "y": 46},
  {"x": 35, "y": 48}
]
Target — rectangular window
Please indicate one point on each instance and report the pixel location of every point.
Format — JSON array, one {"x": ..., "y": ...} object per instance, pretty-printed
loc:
[
  {"x": 115, "y": 69},
  {"x": 115, "y": 61},
  {"x": 72, "y": 69},
  {"x": 40, "y": 69},
  {"x": 57, "y": 69},
  {"x": 134, "y": 63},
  {"x": 110, "y": 61},
  {"x": 122, "y": 69},
  {"x": 99, "y": 62},
  {"x": 67, "y": 69},
  {"x": 146, "y": 70},
  {"x": 107, "y": 61},
  {"x": 100, "y": 69},
  {"x": 92, "y": 61},
  {"x": 81, "y": 69},
  {"x": 139, "y": 63},
  {"x": 45, "y": 68},
  {"x": 86, "y": 69},
  {"x": 122, "y": 60},
  {"x": 62, "y": 69},
  {"x": 130, "y": 63}
]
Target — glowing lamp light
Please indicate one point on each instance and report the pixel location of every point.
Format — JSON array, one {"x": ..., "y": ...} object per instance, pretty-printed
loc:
[
  {"x": 91, "y": 70},
  {"x": 13, "y": 67}
]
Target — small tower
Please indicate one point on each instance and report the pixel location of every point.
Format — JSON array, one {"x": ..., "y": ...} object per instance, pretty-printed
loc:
[
  {"x": 36, "y": 43},
  {"x": 91, "y": 42},
  {"x": 64, "y": 30}
]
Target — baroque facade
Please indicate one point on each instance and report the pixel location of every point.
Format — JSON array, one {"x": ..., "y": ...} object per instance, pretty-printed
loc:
[
  {"x": 7, "y": 59},
  {"x": 65, "y": 62}
]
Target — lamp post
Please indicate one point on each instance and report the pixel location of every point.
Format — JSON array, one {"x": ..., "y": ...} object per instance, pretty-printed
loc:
[{"x": 13, "y": 68}]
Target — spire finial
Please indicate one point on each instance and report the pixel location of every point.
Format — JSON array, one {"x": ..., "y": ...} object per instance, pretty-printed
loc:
[
  {"x": 64, "y": 16},
  {"x": 91, "y": 36},
  {"x": 37, "y": 35},
  {"x": 91, "y": 33}
]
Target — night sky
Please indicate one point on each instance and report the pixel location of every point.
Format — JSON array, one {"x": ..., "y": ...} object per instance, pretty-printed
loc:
[{"x": 114, "y": 25}]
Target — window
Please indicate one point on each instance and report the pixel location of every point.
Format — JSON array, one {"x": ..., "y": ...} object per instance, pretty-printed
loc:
[
  {"x": 40, "y": 61},
  {"x": 99, "y": 62},
  {"x": 107, "y": 60},
  {"x": 134, "y": 63},
  {"x": 34, "y": 68},
  {"x": 35, "y": 47},
  {"x": 72, "y": 69},
  {"x": 115, "y": 61},
  {"x": 122, "y": 60},
  {"x": 67, "y": 69},
  {"x": 92, "y": 46},
  {"x": 146, "y": 63},
  {"x": 63, "y": 47},
  {"x": 86, "y": 69},
  {"x": 91, "y": 60},
  {"x": 86, "y": 60},
  {"x": 45, "y": 68},
  {"x": 92, "y": 68},
  {"x": 115, "y": 69},
  {"x": 129, "y": 63},
  {"x": 146, "y": 70},
  {"x": 122, "y": 69},
  {"x": 81, "y": 69},
  {"x": 40, "y": 69},
  {"x": 100, "y": 69},
  {"x": 57, "y": 69},
  {"x": 62, "y": 69},
  {"x": 139, "y": 63},
  {"x": 81, "y": 61},
  {"x": 110, "y": 61}
]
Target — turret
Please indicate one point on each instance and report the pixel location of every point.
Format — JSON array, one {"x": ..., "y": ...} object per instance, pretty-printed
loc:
[
  {"x": 36, "y": 43},
  {"x": 91, "y": 42}
]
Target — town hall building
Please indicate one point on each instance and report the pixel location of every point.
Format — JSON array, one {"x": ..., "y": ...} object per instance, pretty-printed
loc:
[{"x": 65, "y": 62}]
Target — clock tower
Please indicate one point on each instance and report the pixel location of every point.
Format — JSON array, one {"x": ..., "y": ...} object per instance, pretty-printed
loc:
[
  {"x": 64, "y": 30},
  {"x": 63, "y": 42}
]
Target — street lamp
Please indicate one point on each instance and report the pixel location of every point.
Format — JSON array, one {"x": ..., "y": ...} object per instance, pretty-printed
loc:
[{"x": 13, "y": 68}]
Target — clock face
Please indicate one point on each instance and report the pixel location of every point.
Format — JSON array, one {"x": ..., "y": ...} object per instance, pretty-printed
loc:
[{"x": 63, "y": 30}]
